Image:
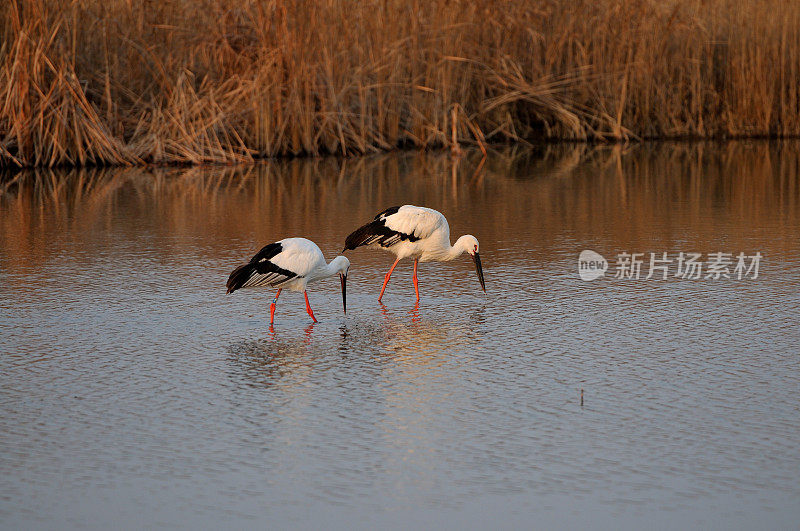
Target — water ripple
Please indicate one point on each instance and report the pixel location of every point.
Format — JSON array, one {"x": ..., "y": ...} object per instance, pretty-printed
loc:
[{"x": 134, "y": 390}]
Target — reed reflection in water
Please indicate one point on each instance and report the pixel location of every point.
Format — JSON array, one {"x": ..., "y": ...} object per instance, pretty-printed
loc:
[{"x": 133, "y": 388}]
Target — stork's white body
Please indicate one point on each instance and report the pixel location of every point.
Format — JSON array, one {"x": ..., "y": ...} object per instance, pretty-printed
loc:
[
  {"x": 427, "y": 224},
  {"x": 291, "y": 264},
  {"x": 303, "y": 258},
  {"x": 420, "y": 233}
]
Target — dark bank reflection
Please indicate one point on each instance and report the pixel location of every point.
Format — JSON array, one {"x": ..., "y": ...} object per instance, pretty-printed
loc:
[{"x": 631, "y": 196}]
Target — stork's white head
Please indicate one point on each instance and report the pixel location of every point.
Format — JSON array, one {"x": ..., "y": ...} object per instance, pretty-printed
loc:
[
  {"x": 340, "y": 265},
  {"x": 469, "y": 244}
]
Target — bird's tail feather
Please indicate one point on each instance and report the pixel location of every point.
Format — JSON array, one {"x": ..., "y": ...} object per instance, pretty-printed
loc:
[
  {"x": 240, "y": 276},
  {"x": 363, "y": 235}
]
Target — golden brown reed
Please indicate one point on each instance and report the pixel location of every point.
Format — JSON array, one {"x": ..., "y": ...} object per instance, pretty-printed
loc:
[{"x": 129, "y": 82}]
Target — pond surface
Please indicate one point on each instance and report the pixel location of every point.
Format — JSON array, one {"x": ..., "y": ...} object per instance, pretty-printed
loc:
[{"x": 133, "y": 390}]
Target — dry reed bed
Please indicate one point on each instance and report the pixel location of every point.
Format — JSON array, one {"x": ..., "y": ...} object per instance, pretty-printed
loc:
[{"x": 129, "y": 82}]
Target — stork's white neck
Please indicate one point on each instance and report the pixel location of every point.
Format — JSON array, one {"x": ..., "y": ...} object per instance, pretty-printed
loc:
[
  {"x": 465, "y": 244},
  {"x": 338, "y": 265}
]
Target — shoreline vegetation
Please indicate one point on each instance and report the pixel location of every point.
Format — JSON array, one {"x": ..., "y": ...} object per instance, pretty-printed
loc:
[{"x": 121, "y": 82}]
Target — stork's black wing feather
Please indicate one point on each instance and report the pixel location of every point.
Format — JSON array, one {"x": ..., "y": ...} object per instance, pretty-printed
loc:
[
  {"x": 388, "y": 212},
  {"x": 260, "y": 271},
  {"x": 269, "y": 251},
  {"x": 376, "y": 232}
]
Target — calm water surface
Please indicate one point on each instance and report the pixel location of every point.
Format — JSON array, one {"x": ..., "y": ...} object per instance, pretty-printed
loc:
[{"x": 134, "y": 391}]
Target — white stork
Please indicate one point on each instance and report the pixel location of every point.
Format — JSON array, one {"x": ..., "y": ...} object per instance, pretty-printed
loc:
[
  {"x": 289, "y": 264},
  {"x": 414, "y": 232}
]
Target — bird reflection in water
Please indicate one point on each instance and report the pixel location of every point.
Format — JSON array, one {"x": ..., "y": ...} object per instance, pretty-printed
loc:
[
  {"x": 414, "y": 312},
  {"x": 265, "y": 362},
  {"x": 307, "y": 332},
  {"x": 273, "y": 334},
  {"x": 257, "y": 364},
  {"x": 410, "y": 336}
]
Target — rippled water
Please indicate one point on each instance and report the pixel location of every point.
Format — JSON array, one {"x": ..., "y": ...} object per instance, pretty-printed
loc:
[{"x": 135, "y": 391}]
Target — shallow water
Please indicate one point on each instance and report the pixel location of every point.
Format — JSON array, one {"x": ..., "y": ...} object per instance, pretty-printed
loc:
[{"x": 134, "y": 391}]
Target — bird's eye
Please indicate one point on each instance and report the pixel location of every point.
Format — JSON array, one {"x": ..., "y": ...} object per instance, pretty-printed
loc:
[{"x": 476, "y": 248}]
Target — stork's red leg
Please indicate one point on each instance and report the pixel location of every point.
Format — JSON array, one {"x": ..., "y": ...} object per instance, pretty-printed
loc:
[
  {"x": 272, "y": 307},
  {"x": 386, "y": 279},
  {"x": 308, "y": 308},
  {"x": 416, "y": 281}
]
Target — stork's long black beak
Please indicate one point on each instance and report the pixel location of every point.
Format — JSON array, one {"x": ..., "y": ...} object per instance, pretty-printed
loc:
[
  {"x": 479, "y": 268},
  {"x": 343, "y": 278}
]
